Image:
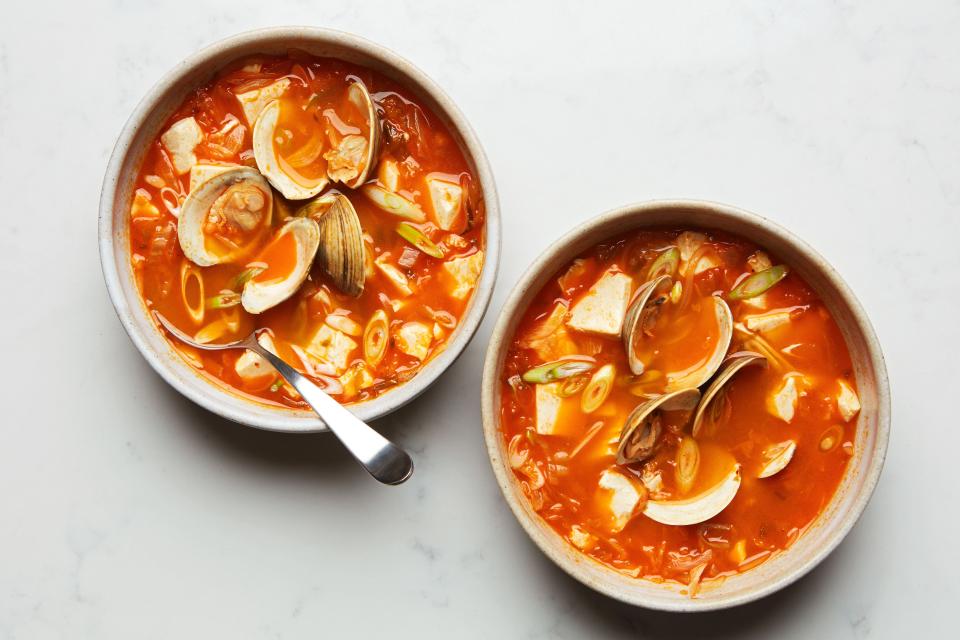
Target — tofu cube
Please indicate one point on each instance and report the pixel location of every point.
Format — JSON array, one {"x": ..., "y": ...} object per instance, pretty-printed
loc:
[
  {"x": 142, "y": 206},
  {"x": 394, "y": 275},
  {"x": 355, "y": 379},
  {"x": 602, "y": 308},
  {"x": 848, "y": 403},
  {"x": 331, "y": 346},
  {"x": 548, "y": 404},
  {"x": 461, "y": 274},
  {"x": 783, "y": 401},
  {"x": 253, "y": 102},
  {"x": 550, "y": 338},
  {"x": 619, "y": 496},
  {"x": 414, "y": 339},
  {"x": 181, "y": 139},
  {"x": 582, "y": 539},
  {"x": 446, "y": 201},
  {"x": 388, "y": 175},
  {"x": 252, "y": 366}
]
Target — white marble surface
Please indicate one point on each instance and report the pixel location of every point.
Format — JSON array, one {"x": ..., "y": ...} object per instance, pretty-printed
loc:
[{"x": 129, "y": 513}]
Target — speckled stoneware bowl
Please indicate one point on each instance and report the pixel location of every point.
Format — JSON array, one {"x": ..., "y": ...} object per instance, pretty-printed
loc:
[
  {"x": 873, "y": 425},
  {"x": 144, "y": 125}
]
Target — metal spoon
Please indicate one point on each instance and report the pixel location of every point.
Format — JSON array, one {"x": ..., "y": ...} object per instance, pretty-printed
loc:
[{"x": 382, "y": 459}]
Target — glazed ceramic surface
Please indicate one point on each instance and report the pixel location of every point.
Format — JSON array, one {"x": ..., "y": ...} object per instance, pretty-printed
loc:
[
  {"x": 144, "y": 125},
  {"x": 872, "y": 428}
]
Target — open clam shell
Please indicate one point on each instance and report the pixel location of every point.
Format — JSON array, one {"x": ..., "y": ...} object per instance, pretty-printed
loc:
[
  {"x": 271, "y": 287},
  {"x": 281, "y": 175},
  {"x": 638, "y": 314},
  {"x": 733, "y": 364},
  {"x": 237, "y": 199},
  {"x": 642, "y": 429},
  {"x": 360, "y": 96},
  {"x": 699, "y": 508},
  {"x": 341, "y": 253},
  {"x": 699, "y": 375}
]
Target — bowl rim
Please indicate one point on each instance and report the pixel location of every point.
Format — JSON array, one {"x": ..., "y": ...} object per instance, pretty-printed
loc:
[
  {"x": 516, "y": 303},
  {"x": 221, "y": 400}
]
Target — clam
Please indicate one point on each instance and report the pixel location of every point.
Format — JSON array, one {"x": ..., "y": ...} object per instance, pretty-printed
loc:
[
  {"x": 225, "y": 216},
  {"x": 698, "y": 375},
  {"x": 341, "y": 253},
  {"x": 641, "y": 432},
  {"x": 776, "y": 457},
  {"x": 641, "y": 312},
  {"x": 280, "y": 278},
  {"x": 349, "y": 154},
  {"x": 732, "y": 365},
  {"x": 282, "y": 174},
  {"x": 355, "y": 156},
  {"x": 698, "y": 508}
]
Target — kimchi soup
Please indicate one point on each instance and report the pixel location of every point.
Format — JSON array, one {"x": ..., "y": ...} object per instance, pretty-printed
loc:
[
  {"x": 678, "y": 405},
  {"x": 317, "y": 202}
]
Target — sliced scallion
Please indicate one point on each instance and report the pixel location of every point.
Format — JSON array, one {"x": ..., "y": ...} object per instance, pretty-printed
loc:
[
  {"x": 245, "y": 276},
  {"x": 419, "y": 239},
  {"x": 666, "y": 264},
  {"x": 758, "y": 283},
  {"x": 223, "y": 300},
  {"x": 557, "y": 370}
]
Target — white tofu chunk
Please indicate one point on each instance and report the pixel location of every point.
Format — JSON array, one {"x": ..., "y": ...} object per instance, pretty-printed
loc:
[
  {"x": 581, "y": 539},
  {"x": 331, "y": 346},
  {"x": 253, "y": 102},
  {"x": 251, "y": 366},
  {"x": 445, "y": 199},
  {"x": 767, "y": 321},
  {"x": 203, "y": 171},
  {"x": 181, "y": 139},
  {"x": 462, "y": 274},
  {"x": 602, "y": 308},
  {"x": 143, "y": 206},
  {"x": 620, "y": 498},
  {"x": 355, "y": 379},
  {"x": 388, "y": 175},
  {"x": 548, "y": 404},
  {"x": 550, "y": 338},
  {"x": 688, "y": 242},
  {"x": 848, "y": 403},
  {"x": 414, "y": 339},
  {"x": 393, "y": 274},
  {"x": 783, "y": 402}
]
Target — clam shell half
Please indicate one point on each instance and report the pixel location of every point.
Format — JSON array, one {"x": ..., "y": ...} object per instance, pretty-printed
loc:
[
  {"x": 731, "y": 366},
  {"x": 341, "y": 253},
  {"x": 360, "y": 96},
  {"x": 239, "y": 181},
  {"x": 633, "y": 322},
  {"x": 699, "y": 375},
  {"x": 262, "y": 294},
  {"x": 642, "y": 429},
  {"x": 273, "y": 166}
]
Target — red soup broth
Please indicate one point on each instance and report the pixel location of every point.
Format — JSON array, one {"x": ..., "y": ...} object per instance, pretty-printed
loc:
[
  {"x": 416, "y": 298},
  {"x": 559, "y": 456}
]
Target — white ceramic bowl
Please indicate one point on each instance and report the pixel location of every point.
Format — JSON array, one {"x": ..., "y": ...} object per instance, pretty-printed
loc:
[
  {"x": 144, "y": 125},
  {"x": 873, "y": 425}
]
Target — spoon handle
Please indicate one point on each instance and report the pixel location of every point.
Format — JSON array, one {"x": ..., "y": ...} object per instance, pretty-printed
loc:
[{"x": 382, "y": 459}]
